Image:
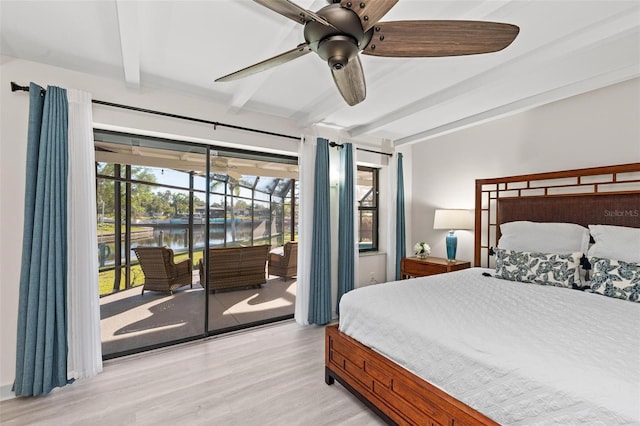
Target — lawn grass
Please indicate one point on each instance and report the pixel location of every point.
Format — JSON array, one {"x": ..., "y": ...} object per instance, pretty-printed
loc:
[{"x": 109, "y": 228}]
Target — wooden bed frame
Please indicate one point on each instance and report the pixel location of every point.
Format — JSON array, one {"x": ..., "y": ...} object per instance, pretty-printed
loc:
[{"x": 603, "y": 195}]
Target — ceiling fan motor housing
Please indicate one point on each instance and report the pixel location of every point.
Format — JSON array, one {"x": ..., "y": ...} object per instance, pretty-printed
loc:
[{"x": 337, "y": 44}]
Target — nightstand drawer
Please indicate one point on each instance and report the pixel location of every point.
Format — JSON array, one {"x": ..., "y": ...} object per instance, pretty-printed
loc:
[
  {"x": 421, "y": 269},
  {"x": 416, "y": 267}
]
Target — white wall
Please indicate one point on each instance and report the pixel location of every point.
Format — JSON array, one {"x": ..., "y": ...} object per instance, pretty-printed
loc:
[{"x": 598, "y": 128}]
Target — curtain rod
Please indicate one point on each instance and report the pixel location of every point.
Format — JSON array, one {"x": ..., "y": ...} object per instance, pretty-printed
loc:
[
  {"x": 16, "y": 87},
  {"x": 375, "y": 152},
  {"x": 339, "y": 145}
]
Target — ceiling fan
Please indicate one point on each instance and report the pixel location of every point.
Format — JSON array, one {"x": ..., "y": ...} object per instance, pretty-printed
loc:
[{"x": 343, "y": 29}]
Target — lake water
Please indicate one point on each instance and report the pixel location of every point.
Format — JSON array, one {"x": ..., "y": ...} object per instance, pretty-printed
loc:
[{"x": 177, "y": 238}]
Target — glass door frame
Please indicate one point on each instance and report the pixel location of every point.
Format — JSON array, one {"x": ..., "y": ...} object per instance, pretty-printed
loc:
[{"x": 209, "y": 151}]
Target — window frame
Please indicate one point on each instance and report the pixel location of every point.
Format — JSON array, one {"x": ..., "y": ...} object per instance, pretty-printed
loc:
[{"x": 375, "y": 209}]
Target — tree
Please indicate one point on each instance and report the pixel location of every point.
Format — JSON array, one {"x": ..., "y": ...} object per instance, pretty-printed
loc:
[
  {"x": 104, "y": 190},
  {"x": 234, "y": 189},
  {"x": 141, "y": 195},
  {"x": 241, "y": 205},
  {"x": 160, "y": 204},
  {"x": 180, "y": 203}
]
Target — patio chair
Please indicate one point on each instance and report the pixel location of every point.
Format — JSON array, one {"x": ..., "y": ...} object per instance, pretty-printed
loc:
[
  {"x": 285, "y": 265},
  {"x": 160, "y": 271}
]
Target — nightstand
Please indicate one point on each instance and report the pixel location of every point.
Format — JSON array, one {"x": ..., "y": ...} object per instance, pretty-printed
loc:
[{"x": 416, "y": 267}]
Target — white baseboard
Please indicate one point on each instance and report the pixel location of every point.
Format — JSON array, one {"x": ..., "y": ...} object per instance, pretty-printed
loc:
[{"x": 6, "y": 392}]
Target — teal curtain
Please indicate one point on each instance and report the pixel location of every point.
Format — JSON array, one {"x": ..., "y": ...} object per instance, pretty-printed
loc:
[
  {"x": 320, "y": 275},
  {"x": 346, "y": 237},
  {"x": 41, "y": 355},
  {"x": 401, "y": 245}
]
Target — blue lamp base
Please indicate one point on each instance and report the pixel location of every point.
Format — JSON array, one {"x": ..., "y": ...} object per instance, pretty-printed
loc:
[{"x": 452, "y": 245}]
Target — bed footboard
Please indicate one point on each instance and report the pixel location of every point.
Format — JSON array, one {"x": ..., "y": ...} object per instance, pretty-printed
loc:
[{"x": 395, "y": 394}]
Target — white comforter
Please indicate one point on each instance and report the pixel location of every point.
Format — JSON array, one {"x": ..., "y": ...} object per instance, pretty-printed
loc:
[{"x": 521, "y": 354}]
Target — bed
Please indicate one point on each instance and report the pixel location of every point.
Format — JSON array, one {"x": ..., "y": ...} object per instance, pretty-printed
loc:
[{"x": 469, "y": 348}]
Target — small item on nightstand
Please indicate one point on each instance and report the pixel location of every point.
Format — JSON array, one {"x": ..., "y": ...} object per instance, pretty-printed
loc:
[{"x": 422, "y": 250}]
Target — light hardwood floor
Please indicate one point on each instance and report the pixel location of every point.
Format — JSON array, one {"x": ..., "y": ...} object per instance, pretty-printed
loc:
[{"x": 268, "y": 376}]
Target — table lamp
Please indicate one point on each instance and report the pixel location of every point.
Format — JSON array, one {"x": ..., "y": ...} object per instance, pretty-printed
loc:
[{"x": 452, "y": 220}]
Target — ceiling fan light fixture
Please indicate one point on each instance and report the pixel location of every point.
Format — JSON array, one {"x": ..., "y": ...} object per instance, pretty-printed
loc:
[
  {"x": 338, "y": 51},
  {"x": 338, "y": 62}
]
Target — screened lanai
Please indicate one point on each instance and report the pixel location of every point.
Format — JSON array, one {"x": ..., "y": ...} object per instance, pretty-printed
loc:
[{"x": 190, "y": 198}]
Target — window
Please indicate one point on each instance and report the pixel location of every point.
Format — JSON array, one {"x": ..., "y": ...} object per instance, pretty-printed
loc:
[{"x": 367, "y": 193}]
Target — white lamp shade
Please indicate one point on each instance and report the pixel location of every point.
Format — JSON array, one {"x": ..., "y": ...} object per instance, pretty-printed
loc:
[{"x": 453, "y": 219}]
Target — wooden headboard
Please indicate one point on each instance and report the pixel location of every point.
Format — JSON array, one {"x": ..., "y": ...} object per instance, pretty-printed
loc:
[{"x": 602, "y": 195}]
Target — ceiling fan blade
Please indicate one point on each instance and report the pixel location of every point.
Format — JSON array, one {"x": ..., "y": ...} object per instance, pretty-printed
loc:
[
  {"x": 350, "y": 81},
  {"x": 372, "y": 11},
  {"x": 300, "y": 50},
  {"x": 293, "y": 11},
  {"x": 411, "y": 39}
]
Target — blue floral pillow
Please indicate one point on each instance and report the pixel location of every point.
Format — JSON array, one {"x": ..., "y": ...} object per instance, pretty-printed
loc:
[
  {"x": 560, "y": 270},
  {"x": 616, "y": 278}
]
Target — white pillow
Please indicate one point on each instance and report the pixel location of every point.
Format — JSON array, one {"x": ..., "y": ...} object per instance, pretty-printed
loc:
[
  {"x": 615, "y": 242},
  {"x": 544, "y": 237}
]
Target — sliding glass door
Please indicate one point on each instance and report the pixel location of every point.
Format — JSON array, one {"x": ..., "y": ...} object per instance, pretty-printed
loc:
[
  {"x": 162, "y": 205},
  {"x": 150, "y": 241},
  {"x": 249, "y": 194}
]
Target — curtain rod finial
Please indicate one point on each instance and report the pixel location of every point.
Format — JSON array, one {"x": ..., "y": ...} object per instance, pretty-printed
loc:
[{"x": 15, "y": 87}]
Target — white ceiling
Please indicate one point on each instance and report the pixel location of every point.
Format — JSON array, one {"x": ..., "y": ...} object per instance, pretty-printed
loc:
[{"x": 565, "y": 47}]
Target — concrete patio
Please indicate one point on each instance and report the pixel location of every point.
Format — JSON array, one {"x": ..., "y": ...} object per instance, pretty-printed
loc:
[{"x": 130, "y": 320}]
